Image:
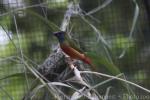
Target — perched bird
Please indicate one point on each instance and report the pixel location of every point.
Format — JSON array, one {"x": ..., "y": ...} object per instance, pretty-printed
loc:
[{"x": 71, "y": 49}]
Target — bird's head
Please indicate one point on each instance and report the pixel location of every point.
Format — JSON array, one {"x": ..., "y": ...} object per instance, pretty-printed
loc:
[{"x": 60, "y": 35}]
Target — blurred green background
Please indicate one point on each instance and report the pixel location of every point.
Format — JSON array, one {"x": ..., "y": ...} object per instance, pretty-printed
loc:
[{"x": 37, "y": 41}]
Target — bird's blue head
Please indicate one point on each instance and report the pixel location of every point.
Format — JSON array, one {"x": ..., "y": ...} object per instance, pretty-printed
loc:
[{"x": 60, "y": 35}]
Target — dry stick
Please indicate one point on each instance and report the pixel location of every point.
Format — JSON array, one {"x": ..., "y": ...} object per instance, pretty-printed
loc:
[
  {"x": 82, "y": 93},
  {"x": 107, "y": 2},
  {"x": 106, "y": 81},
  {"x": 11, "y": 58},
  {"x": 27, "y": 66},
  {"x": 136, "y": 15},
  {"x": 44, "y": 12},
  {"x": 9, "y": 96},
  {"x": 106, "y": 97},
  {"x": 120, "y": 79},
  {"x": 47, "y": 64},
  {"x": 20, "y": 49},
  {"x": 128, "y": 87},
  {"x": 79, "y": 78},
  {"x": 53, "y": 84},
  {"x": 37, "y": 76},
  {"x": 16, "y": 26},
  {"x": 99, "y": 84},
  {"x": 12, "y": 11}
]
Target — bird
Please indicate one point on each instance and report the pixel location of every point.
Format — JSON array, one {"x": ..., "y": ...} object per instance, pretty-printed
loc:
[{"x": 70, "y": 48}]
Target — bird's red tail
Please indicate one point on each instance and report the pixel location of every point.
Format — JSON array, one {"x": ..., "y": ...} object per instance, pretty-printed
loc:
[{"x": 89, "y": 62}]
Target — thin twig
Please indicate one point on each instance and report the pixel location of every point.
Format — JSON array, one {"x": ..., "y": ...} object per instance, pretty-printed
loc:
[
  {"x": 135, "y": 18},
  {"x": 107, "y": 2},
  {"x": 120, "y": 79},
  {"x": 9, "y": 96},
  {"x": 26, "y": 7}
]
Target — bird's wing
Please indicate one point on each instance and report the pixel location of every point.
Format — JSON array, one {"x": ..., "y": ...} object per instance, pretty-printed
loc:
[
  {"x": 74, "y": 45},
  {"x": 73, "y": 53}
]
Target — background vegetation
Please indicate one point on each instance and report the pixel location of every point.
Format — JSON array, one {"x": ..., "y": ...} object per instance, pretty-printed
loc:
[{"x": 34, "y": 38}]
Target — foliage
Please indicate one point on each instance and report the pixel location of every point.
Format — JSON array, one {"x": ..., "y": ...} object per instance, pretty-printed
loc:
[{"x": 103, "y": 35}]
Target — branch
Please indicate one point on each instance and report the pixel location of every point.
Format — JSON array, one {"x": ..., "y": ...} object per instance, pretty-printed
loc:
[
  {"x": 56, "y": 69},
  {"x": 53, "y": 65}
]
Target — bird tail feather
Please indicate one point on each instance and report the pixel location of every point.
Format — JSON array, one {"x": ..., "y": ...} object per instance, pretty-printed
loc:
[{"x": 89, "y": 62}]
